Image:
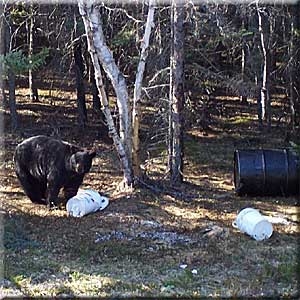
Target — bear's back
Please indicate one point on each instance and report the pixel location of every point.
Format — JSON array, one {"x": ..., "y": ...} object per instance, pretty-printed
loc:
[
  {"x": 41, "y": 147},
  {"x": 41, "y": 142}
]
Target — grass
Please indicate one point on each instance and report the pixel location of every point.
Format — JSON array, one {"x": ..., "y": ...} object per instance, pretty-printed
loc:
[
  {"x": 240, "y": 120},
  {"x": 124, "y": 272},
  {"x": 124, "y": 250}
]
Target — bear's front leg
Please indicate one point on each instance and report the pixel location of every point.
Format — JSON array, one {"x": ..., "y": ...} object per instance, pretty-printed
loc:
[
  {"x": 52, "y": 195},
  {"x": 71, "y": 187}
]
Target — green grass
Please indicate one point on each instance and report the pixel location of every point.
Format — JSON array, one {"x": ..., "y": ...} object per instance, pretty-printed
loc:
[{"x": 240, "y": 120}]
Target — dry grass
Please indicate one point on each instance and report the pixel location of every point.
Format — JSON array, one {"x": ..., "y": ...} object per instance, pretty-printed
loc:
[{"x": 136, "y": 246}]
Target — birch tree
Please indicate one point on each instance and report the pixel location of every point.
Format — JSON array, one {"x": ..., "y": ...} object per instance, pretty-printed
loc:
[
  {"x": 2, "y": 52},
  {"x": 136, "y": 112},
  {"x": 33, "y": 92},
  {"x": 100, "y": 53},
  {"x": 127, "y": 142},
  {"x": 244, "y": 57},
  {"x": 294, "y": 65},
  {"x": 265, "y": 104},
  {"x": 11, "y": 76}
]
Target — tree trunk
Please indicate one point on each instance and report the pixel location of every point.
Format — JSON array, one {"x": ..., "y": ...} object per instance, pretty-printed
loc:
[
  {"x": 12, "y": 100},
  {"x": 136, "y": 113},
  {"x": 243, "y": 98},
  {"x": 79, "y": 72},
  {"x": 33, "y": 92},
  {"x": 95, "y": 94},
  {"x": 176, "y": 94},
  {"x": 11, "y": 84},
  {"x": 100, "y": 52},
  {"x": 291, "y": 74},
  {"x": 264, "y": 92},
  {"x": 294, "y": 66},
  {"x": 259, "y": 103},
  {"x": 2, "y": 52},
  {"x": 297, "y": 65},
  {"x": 92, "y": 15}
]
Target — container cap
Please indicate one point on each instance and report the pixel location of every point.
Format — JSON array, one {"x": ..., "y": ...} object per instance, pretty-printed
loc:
[{"x": 262, "y": 230}]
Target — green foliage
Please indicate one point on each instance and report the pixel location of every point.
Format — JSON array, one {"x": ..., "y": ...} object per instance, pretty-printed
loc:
[
  {"x": 39, "y": 59},
  {"x": 17, "y": 14},
  {"x": 246, "y": 33},
  {"x": 15, "y": 61},
  {"x": 236, "y": 36},
  {"x": 18, "y": 63},
  {"x": 123, "y": 38},
  {"x": 295, "y": 147}
]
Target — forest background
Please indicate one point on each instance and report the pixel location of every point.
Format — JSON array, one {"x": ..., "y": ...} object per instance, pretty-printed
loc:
[{"x": 177, "y": 89}]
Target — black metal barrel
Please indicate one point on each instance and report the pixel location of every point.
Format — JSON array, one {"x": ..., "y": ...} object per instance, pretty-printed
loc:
[{"x": 266, "y": 172}]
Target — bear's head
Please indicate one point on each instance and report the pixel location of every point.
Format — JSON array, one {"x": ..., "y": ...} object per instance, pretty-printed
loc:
[{"x": 81, "y": 161}]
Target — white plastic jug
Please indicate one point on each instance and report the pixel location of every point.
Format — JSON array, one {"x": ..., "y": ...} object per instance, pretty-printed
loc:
[
  {"x": 250, "y": 221},
  {"x": 85, "y": 202}
]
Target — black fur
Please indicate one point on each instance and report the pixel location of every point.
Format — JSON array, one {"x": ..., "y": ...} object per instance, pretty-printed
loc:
[{"x": 44, "y": 165}]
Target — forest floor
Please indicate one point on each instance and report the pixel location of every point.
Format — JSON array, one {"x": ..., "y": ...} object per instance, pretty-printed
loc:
[{"x": 147, "y": 243}]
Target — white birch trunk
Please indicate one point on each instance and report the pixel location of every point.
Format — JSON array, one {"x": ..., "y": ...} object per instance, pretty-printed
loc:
[
  {"x": 291, "y": 72},
  {"x": 2, "y": 52},
  {"x": 33, "y": 96},
  {"x": 100, "y": 52},
  {"x": 265, "y": 97},
  {"x": 262, "y": 43},
  {"x": 92, "y": 15},
  {"x": 244, "y": 59},
  {"x": 136, "y": 112}
]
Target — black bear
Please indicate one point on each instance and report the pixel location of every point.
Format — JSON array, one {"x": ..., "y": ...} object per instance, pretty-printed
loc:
[{"x": 44, "y": 165}]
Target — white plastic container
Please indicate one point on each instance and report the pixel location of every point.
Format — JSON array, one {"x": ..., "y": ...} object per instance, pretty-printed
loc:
[
  {"x": 86, "y": 202},
  {"x": 250, "y": 221}
]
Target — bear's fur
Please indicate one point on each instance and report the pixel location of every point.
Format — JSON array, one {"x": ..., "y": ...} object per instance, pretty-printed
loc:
[{"x": 44, "y": 165}]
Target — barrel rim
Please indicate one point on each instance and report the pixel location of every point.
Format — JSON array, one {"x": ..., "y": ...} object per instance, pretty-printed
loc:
[{"x": 236, "y": 171}]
